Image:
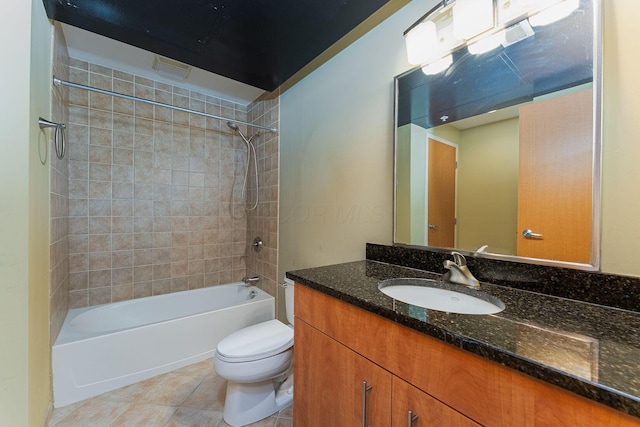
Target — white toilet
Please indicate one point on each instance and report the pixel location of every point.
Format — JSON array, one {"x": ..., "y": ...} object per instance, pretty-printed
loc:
[{"x": 257, "y": 361}]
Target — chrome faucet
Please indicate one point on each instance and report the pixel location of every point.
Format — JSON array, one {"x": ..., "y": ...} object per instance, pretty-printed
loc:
[
  {"x": 251, "y": 280},
  {"x": 459, "y": 273}
]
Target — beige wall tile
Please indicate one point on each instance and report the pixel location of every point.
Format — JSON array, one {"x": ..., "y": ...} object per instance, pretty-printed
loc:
[
  {"x": 151, "y": 191},
  {"x": 78, "y": 298}
]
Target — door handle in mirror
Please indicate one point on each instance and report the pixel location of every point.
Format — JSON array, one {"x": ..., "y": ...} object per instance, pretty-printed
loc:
[{"x": 529, "y": 234}]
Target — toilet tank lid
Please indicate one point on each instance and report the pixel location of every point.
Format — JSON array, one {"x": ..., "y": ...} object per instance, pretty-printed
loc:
[{"x": 257, "y": 341}]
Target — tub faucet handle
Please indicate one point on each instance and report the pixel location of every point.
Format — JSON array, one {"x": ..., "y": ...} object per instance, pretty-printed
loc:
[{"x": 251, "y": 280}]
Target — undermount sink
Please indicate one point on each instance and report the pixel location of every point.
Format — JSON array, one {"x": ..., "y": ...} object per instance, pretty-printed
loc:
[{"x": 441, "y": 296}]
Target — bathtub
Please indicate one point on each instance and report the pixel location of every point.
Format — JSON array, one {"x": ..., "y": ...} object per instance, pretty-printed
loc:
[{"x": 105, "y": 347}]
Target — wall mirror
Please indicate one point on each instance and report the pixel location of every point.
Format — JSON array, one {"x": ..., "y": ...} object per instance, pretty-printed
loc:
[{"x": 499, "y": 155}]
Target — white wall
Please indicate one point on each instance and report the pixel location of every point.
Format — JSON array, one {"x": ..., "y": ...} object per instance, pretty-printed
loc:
[
  {"x": 336, "y": 158},
  {"x": 411, "y": 199},
  {"x": 621, "y": 139},
  {"x": 39, "y": 148},
  {"x": 25, "y": 89},
  {"x": 488, "y": 187},
  {"x": 14, "y": 209}
]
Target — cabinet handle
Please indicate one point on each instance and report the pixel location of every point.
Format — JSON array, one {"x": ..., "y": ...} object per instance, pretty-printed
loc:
[
  {"x": 411, "y": 418},
  {"x": 365, "y": 389}
]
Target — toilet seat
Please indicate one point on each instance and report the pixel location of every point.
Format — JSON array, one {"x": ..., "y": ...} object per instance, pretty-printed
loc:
[{"x": 255, "y": 342}]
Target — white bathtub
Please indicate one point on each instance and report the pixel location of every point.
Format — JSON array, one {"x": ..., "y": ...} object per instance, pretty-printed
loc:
[{"x": 105, "y": 347}]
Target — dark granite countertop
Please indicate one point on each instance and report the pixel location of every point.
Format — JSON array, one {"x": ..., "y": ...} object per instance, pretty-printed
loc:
[{"x": 589, "y": 349}]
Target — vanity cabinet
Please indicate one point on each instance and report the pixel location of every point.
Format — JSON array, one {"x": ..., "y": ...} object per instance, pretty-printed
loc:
[{"x": 338, "y": 346}]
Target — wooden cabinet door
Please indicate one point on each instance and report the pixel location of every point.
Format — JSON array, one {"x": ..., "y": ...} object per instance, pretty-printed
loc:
[
  {"x": 328, "y": 383},
  {"x": 441, "y": 216},
  {"x": 427, "y": 410}
]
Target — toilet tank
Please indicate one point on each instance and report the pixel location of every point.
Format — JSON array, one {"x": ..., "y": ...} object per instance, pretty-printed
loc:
[{"x": 288, "y": 299}]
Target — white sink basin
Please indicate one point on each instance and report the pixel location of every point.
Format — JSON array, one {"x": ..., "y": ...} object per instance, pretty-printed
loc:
[{"x": 441, "y": 296}]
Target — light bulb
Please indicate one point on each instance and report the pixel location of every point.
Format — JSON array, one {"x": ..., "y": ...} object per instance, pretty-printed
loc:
[
  {"x": 471, "y": 17},
  {"x": 421, "y": 43}
]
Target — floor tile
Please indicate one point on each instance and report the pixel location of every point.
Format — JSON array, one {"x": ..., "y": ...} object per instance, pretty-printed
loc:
[
  {"x": 60, "y": 413},
  {"x": 286, "y": 412},
  {"x": 132, "y": 392},
  {"x": 284, "y": 422},
  {"x": 172, "y": 390},
  {"x": 144, "y": 415},
  {"x": 197, "y": 369},
  {"x": 209, "y": 395},
  {"x": 95, "y": 413},
  {"x": 191, "y": 417}
]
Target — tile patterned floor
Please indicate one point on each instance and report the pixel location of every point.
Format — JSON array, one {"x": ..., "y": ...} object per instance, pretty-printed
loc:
[{"x": 191, "y": 396}]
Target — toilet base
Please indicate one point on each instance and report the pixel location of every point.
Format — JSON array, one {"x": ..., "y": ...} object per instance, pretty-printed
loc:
[{"x": 248, "y": 403}]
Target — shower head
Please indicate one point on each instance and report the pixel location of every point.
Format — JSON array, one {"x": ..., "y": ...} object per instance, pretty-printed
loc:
[{"x": 235, "y": 127}]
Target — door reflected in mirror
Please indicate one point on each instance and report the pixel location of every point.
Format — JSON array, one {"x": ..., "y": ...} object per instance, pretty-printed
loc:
[{"x": 500, "y": 154}]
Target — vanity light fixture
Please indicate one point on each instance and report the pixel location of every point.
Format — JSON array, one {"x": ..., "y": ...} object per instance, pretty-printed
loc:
[{"x": 481, "y": 25}]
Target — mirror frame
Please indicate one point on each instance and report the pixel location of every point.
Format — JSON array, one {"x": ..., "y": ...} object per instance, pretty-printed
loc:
[{"x": 596, "y": 164}]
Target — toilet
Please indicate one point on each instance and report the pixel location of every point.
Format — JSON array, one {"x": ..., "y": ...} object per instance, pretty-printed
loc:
[{"x": 257, "y": 362}]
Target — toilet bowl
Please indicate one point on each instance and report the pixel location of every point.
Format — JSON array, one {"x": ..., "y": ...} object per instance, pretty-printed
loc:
[{"x": 257, "y": 362}]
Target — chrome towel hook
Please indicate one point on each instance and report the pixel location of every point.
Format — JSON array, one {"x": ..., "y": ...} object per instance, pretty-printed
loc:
[{"x": 58, "y": 137}]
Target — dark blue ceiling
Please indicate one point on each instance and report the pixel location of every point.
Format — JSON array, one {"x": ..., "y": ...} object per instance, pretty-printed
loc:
[{"x": 258, "y": 42}]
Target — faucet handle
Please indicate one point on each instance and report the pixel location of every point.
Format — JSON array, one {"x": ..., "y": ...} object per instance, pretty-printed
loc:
[
  {"x": 251, "y": 280},
  {"x": 459, "y": 259}
]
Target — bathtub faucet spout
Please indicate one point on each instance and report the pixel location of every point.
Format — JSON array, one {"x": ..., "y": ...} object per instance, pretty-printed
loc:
[{"x": 251, "y": 280}]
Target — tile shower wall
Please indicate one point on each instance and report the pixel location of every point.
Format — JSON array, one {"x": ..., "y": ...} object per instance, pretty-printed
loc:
[
  {"x": 263, "y": 221},
  {"x": 155, "y": 201},
  {"x": 59, "y": 196}
]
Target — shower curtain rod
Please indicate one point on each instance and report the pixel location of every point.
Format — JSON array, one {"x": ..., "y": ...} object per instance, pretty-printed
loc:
[{"x": 58, "y": 82}]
